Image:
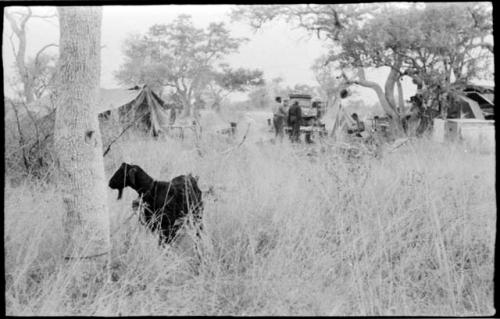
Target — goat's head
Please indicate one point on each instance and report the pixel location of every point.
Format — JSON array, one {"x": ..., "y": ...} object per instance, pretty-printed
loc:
[{"x": 123, "y": 177}]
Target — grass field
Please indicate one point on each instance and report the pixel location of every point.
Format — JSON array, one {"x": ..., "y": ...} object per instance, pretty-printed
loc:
[{"x": 287, "y": 233}]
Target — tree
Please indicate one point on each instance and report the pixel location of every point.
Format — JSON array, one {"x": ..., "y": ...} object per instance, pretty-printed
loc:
[
  {"x": 373, "y": 44},
  {"x": 303, "y": 88},
  {"x": 342, "y": 25},
  {"x": 230, "y": 80},
  {"x": 42, "y": 70},
  {"x": 259, "y": 97},
  {"x": 329, "y": 82},
  {"x": 262, "y": 96},
  {"x": 176, "y": 55},
  {"x": 427, "y": 43},
  {"x": 77, "y": 137},
  {"x": 451, "y": 42},
  {"x": 28, "y": 72},
  {"x": 328, "y": 20}
]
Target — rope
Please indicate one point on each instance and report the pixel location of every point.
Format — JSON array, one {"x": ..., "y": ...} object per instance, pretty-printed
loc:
[
  {"x": 86, "y": 257},
  {"x": 101, "y": 254}
]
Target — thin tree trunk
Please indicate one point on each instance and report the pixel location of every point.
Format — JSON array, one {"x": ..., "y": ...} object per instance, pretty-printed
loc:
[
  {"x": 392, "y": 78},
  {"x": 77, "y": 137},
  {"x": 21, "y": 139},
  {"x": 381, "y": 96},
  {"x": 395, "y": 118},
  {"x": 401, "y": 99},
  {"x": 186, "y": 110},
  {"x": 20, "y": 31}
]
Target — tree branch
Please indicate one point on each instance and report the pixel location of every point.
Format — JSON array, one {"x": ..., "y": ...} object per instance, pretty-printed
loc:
[
  {"x": 45, "y": 16},
  {"x": 43, "y": 49},
  {"x": 12, "y": 45},
  {"x": 25, "y": 20}
]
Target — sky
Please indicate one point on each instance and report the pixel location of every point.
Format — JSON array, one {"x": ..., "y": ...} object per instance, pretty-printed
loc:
[{"x": 278, "y": 49}]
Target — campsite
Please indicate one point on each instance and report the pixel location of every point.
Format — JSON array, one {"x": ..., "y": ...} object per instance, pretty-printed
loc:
[{"x": 152, "y": 170}]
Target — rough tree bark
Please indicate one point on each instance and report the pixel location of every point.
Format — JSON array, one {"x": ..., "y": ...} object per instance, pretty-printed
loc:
[{"x": 77, "y": 137}]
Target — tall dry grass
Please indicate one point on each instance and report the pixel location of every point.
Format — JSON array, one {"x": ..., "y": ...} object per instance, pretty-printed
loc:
[{"x": 288, "y": 231}]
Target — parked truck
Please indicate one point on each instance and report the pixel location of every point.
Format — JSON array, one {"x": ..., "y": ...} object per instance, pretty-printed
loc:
[{"x": 312, "y": 112}]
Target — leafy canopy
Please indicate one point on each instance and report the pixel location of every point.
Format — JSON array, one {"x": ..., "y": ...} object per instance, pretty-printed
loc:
[{"x": 176, "y": 55}]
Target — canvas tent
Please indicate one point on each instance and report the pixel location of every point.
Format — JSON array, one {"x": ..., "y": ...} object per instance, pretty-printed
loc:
[
  {"x": 474, "y": 101},
  {"x": 470, "y": 107},
  {"x": 484, "y": 96},
  {"x": 337, "y": 119},
  {"x": 141, "y": 106},
  {"x": 138, "y": 105}
]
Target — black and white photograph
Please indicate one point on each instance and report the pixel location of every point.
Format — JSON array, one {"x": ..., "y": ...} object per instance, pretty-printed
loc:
[{"x": 249, "y": 160}]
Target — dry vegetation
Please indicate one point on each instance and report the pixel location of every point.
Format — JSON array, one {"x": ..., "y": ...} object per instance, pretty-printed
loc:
[{"x": 287, "y": 233}]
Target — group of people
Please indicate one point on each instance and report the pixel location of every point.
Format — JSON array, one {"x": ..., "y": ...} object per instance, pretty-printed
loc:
[{"x": 292, "y": 116}]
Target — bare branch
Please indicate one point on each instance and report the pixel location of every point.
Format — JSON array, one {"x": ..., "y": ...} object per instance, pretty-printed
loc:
[
  {"x": 45, "y": 16},
  {"x": 25, "y": 20},
  {"x": 12, "y": 44},
  {"x": 13, "y": 23},
  {"x": 43, "y": 49}
]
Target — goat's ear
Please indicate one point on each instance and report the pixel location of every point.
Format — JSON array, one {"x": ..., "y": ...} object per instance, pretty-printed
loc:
[{"x": 131, "y": 174}]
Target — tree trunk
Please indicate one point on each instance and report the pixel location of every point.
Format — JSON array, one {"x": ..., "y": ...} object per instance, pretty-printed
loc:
[
  {"x": 401, "y": 99},
  {"x": 392, "y": 78},
  {"x": 381, "y": 96},
  {"x": 395, "y": 118},
  {"x": 77, "y": 137},
  {"x": 186, "y": 107}
]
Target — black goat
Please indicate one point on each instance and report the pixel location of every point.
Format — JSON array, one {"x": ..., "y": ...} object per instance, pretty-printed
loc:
[{"x": 166, "y": 202}]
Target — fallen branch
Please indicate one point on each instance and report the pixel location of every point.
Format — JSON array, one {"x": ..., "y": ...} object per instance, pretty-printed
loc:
[{"x": 398, "y": 143}]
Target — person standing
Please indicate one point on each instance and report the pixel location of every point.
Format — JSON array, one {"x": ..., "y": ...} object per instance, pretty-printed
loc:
[
  {"x": 359, "y": 126},
  {"x": 294, "y": 120},
  {"x": 279, "y": 114}
]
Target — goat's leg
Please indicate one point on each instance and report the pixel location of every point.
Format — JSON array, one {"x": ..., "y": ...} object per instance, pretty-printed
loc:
[
  {"x": 136, "y": 204},
  {"x": 162, "y": 241}
]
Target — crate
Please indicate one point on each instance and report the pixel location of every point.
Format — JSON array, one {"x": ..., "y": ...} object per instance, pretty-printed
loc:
[
  {"x": 477, "y": 134},
  {"x": 438, "y": 130}
]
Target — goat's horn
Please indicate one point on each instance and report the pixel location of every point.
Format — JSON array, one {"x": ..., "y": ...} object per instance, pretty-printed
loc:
[{"x": 120, "y": 191}]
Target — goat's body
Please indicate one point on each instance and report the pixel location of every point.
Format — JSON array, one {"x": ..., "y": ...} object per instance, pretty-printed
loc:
[{"x": 167, "y": 203}]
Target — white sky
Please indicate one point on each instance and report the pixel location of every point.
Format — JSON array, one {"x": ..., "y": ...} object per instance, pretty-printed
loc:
[{"x": 277, "y": 49}]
